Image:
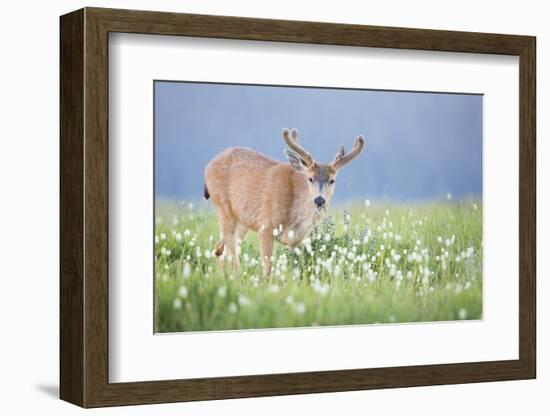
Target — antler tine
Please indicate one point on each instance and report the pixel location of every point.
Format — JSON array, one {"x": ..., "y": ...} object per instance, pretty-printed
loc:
[
  {"x": 345, "y": 159},
  {"x": 290, "y": 139},
  {"x": 339, "y": 154}
]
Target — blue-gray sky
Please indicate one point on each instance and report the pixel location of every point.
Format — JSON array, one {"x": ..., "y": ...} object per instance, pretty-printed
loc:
[{"x": 419, "y": 146}]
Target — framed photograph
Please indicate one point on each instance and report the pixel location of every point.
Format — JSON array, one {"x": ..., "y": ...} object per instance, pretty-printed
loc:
[{"x": 255, "y": 207}]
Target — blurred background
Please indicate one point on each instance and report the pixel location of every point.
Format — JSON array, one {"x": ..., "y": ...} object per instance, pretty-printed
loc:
[{"x": 420, "y": 146}]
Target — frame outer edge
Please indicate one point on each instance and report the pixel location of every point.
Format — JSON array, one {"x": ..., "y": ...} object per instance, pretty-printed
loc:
[
  {"x": 96, "y": 208},
  {"x": 295, "y": 31},
  {"x": 528, "y": 208},
  {"x": 71, "y": 291},
  {"x": 84, "y": 190}
]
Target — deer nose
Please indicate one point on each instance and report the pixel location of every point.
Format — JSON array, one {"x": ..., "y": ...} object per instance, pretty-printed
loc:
[{"x": 319, "y": 201}]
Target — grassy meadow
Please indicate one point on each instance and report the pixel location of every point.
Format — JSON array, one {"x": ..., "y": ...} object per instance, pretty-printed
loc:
[{"x": 366, "y": 263}]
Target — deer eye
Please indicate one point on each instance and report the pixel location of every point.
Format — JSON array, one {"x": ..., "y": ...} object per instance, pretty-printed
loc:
[
  {"x": 311, "y": 180},
  {"x": 332, "y": 181}
]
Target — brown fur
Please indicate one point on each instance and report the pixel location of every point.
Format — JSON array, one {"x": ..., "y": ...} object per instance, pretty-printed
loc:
[{"x": 254, "y": 192}]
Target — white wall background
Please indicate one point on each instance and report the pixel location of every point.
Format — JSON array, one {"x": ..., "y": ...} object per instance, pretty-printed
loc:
[{"x": 29, "y": 160}]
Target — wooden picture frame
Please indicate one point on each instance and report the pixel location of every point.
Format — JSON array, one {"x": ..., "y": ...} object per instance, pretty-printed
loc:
[{"x": 84, "y": 207}]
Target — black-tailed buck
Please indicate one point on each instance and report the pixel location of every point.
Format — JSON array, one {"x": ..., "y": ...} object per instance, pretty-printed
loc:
[{"x": 279, "y": 201}]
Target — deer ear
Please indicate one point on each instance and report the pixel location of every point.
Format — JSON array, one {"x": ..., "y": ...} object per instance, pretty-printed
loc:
[{"x": 295, "y": 160}]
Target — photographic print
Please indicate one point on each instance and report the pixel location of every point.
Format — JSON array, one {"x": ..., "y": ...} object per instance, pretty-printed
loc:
[{"x": 293, "y": 206}]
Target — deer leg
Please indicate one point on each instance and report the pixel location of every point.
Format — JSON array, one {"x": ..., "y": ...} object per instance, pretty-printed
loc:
[
  {"x": 240, "y": 232},
  {"x": 266, "y": 251},
  {"x": 227, "y": 243},
  {"x": 219, "y": 247},
  {"x": 231, "y": 248}
]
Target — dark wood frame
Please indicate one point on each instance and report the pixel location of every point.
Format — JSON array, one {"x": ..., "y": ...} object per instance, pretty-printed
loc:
[{"x": 84, "y": 207}]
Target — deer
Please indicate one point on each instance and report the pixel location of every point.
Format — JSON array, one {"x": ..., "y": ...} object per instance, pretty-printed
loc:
[{"x": 281, "y": 202}]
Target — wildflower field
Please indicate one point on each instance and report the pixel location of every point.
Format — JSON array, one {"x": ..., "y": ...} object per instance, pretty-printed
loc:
[{"x": 366, "y": 263}]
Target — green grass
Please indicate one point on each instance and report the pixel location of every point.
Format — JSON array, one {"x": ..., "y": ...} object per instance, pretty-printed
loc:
[{"x": 390, "y": 263}]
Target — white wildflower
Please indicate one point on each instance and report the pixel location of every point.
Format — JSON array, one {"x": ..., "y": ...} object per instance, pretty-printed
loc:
[
  {"x": 371, "y": 276},
  {"x": 183, "y": 291},
  {"x": 462, "y": 314},
  {"x": 321, "y": 288},
  {"x": 299, "y": 308},
  {"x": 274, "y": 288},
  {"x": 186, "y": 270},
  {"x": 222, "y": 291},
  {"x": 232, "y": 308},
  {"x": 244, "y": 301}
]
